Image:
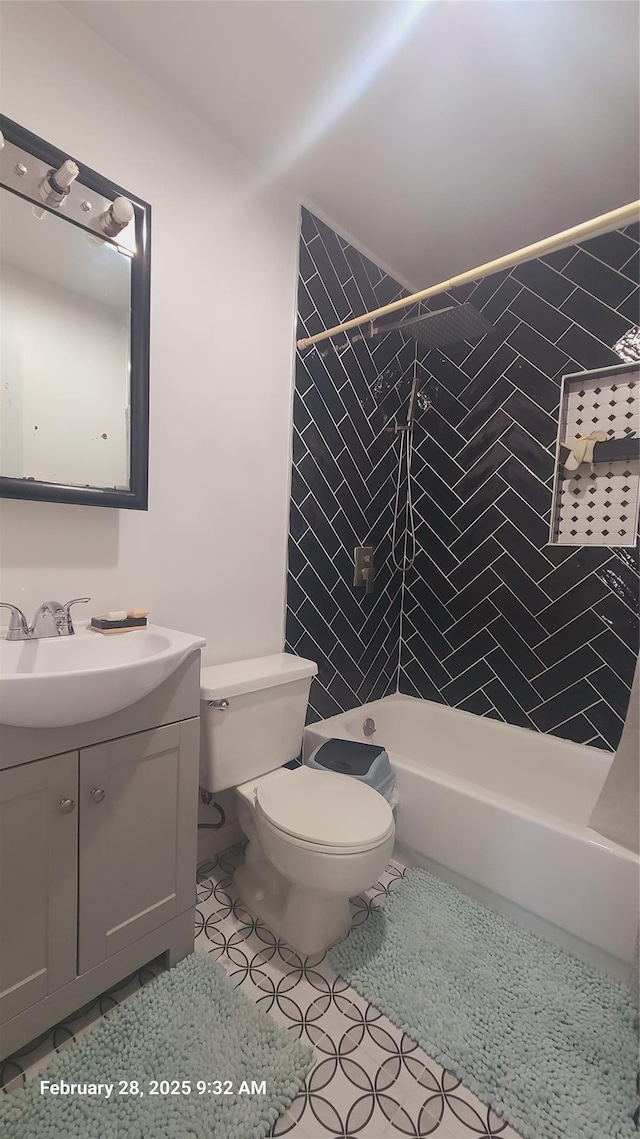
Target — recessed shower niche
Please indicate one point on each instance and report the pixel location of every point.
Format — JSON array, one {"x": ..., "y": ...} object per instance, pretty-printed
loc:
[{"x": 596, "y": 491}]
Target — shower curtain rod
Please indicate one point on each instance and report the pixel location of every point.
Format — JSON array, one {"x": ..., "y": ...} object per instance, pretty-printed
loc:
[{"x": 611, "y": 220}]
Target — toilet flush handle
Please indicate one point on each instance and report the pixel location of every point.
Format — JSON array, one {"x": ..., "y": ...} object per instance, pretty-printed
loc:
[{"x": 222, "y": 704}]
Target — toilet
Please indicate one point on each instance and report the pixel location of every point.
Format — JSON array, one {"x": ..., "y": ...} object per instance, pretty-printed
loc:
[{"x": 316, "y": 838}]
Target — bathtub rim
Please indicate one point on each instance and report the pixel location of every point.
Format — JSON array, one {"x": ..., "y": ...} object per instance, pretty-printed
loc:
[{"x": 325, "y": 728}]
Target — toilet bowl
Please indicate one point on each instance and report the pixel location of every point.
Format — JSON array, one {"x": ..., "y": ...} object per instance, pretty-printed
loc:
[{"x": 316, "y": 838}]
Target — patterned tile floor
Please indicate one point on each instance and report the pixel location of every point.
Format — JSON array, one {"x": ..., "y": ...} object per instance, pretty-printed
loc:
[{"x": 369, "y": 1080}]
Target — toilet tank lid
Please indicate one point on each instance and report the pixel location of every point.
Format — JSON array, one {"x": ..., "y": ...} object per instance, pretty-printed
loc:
[{"x": 219, "y": 681}]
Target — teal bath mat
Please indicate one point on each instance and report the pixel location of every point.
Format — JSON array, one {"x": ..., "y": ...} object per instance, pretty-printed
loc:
[
  {"x": 549, "y": 1042},
  {"x": 175, "y": 1038}
]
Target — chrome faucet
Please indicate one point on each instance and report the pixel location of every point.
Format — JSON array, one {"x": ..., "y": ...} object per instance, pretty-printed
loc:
[{"x": 53, "y": 619}]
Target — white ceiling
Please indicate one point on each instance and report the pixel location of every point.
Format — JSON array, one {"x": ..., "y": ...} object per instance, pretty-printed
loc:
[{"x": 438, "y": 135}]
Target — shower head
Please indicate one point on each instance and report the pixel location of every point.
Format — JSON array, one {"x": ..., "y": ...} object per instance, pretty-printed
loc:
[
  {"x": 432, "y": 329},
  {"x": 445, "y": 326}
]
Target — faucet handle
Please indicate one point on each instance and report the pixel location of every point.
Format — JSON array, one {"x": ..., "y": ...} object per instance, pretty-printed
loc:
[
  {"x": 67, "y": 609},
  {"x": 18, "y": 624}
]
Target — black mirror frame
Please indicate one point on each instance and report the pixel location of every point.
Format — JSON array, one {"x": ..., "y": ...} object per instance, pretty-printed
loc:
[{"x": 137, "y": 497}]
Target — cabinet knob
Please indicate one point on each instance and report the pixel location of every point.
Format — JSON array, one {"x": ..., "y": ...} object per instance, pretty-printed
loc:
[
  {"x": 97, "y": 794},
  {"x": 67, "y": 805}
]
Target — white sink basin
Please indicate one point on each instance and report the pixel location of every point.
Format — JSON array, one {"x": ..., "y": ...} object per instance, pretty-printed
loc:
[{"x": 60, "y": 681}]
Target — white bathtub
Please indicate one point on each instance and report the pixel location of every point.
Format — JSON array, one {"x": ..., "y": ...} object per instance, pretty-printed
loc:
[{"x": 505, "y": 809}]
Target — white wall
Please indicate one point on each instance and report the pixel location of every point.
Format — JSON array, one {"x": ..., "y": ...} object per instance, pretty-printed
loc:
[{"x": 209, "y": 555}]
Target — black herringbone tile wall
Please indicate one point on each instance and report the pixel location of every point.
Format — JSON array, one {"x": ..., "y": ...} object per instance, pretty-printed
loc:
[
  {"x": 342, "y": 480},
  {"x": 495, "y": 621}
]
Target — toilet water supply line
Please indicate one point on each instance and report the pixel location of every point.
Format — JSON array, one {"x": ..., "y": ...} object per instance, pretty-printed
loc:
[{"x": 208, "y": 798}]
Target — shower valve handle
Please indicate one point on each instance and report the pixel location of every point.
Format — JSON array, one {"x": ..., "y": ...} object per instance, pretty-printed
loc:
[{"x": 363, "y": 571}]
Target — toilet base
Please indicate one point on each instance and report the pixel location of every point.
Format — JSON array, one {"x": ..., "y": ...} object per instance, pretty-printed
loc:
[{"x": 309, "y": 921}]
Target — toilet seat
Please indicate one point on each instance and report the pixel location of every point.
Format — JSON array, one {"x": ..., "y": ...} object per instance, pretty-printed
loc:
[{"x": 325, "y": 811}]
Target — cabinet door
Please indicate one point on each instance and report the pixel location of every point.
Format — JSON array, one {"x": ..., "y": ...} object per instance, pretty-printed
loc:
[
  {"x": 138, "y": 832},
  {"x": 38, "y": 880}
]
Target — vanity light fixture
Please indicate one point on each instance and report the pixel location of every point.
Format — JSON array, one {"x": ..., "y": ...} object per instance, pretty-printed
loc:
[
  {"x": 55, "y": 185},
  {"x": 116, "y": 218}
]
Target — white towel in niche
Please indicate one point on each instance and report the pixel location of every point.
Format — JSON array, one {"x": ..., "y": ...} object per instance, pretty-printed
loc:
[{"x": 581, "y": 449}]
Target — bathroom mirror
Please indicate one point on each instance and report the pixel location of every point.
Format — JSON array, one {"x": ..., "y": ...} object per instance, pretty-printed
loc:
[{"x": 74, "y": 332}]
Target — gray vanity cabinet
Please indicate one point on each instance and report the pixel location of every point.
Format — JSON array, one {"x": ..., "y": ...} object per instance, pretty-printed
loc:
[
  {"x": 138, "y": 832},
  {"x": 38, "y": 880},
  {"x": 98, "y": 834}
]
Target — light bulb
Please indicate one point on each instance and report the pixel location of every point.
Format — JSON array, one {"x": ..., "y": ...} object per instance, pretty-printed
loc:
[
  {"x": 63, "y": 177},
  {"x": 117, "y": 217},
  {"x": 54, "y": 187}
]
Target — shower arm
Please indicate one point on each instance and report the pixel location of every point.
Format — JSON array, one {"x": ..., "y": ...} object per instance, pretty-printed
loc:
[
  {"x": 382, "y": 329},
  {"x": 611, "y": 220}
]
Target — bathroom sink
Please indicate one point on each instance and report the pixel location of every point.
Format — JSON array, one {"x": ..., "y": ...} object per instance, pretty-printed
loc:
[{"x": 60, "y": 681}]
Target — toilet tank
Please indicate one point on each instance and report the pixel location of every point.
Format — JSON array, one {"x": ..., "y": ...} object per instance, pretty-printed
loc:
[{"x": 252, "y": 715}]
